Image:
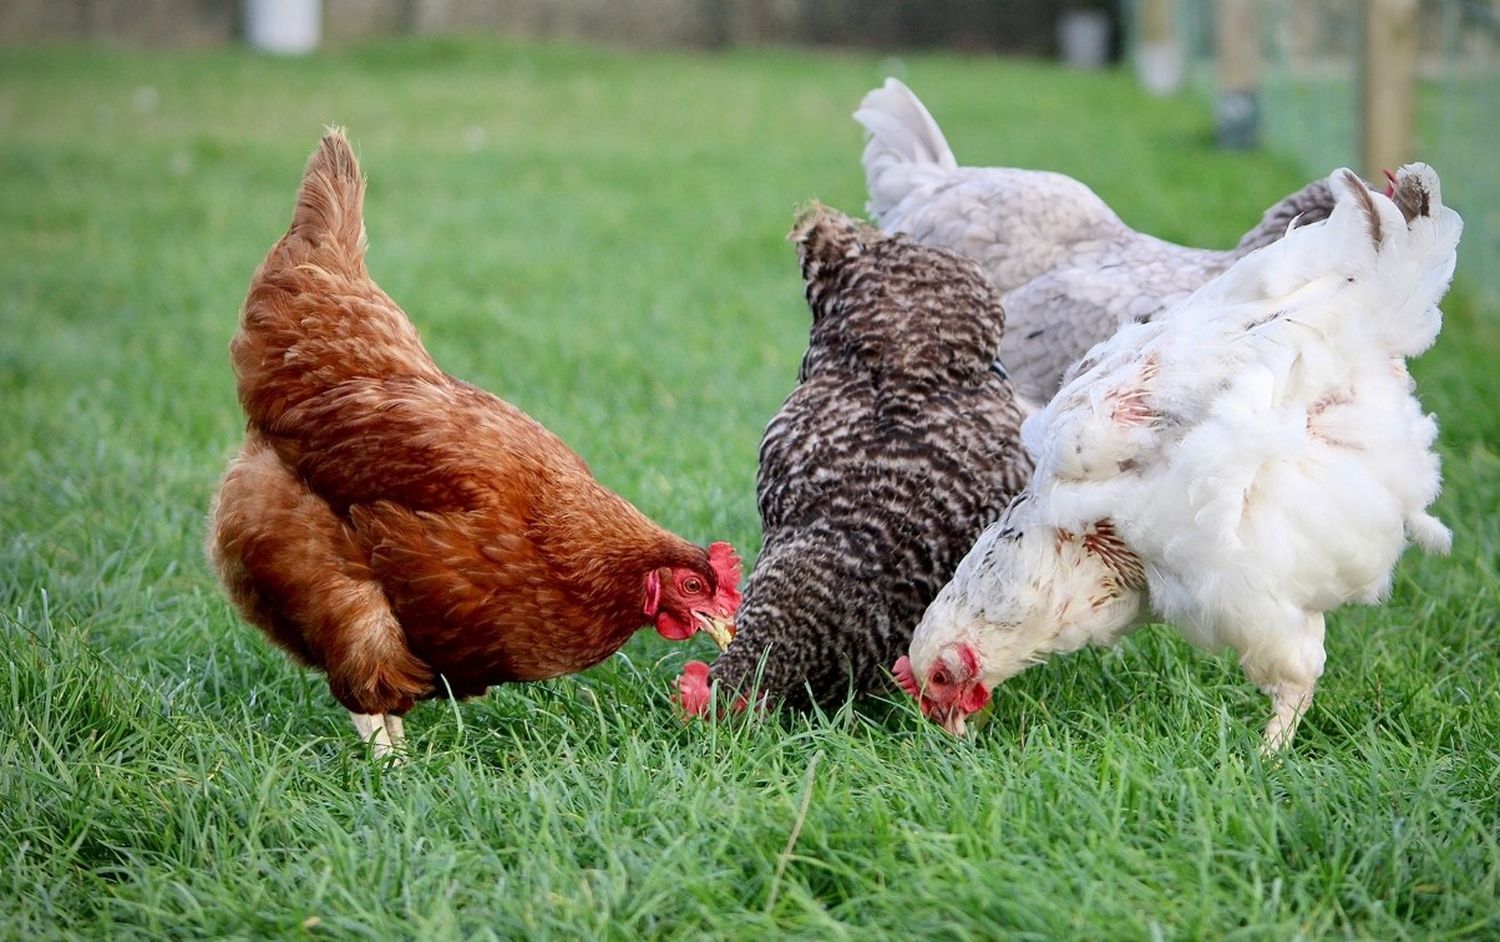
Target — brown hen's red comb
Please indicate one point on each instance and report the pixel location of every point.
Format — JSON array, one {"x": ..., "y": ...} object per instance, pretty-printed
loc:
[
  {"x": 726, "y": 564},
  {"x": 904, "y": 676}
]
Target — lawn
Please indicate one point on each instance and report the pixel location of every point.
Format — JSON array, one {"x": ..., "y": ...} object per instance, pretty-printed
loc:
[{"x": 599, "y": 237}]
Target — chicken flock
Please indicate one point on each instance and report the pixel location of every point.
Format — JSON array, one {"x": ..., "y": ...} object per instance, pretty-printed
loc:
[{"x": 1228, "y": 441}]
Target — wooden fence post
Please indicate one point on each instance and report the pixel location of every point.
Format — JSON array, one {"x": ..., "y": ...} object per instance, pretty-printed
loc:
[
  {"x": 1388, "y": 85},
  {"x": 1237, "y": 109},
  {"x": 1159, "y": 59}
]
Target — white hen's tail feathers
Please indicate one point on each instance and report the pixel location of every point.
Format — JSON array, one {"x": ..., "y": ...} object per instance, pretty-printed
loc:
[
  {"x": 906, "y": 149},
  {"x": 1403, "y": 249},
  {"x": 1400, "y": 266},
  {"x": 1368, "y": 281}
]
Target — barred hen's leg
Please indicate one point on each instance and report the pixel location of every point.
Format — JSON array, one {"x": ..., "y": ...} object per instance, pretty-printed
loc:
[{"x": 1291, "y": 682}]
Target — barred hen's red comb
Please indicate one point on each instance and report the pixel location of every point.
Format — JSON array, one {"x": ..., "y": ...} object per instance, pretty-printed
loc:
[
  {"x": 1390, "y": 189},
  {"x": 904, "y": 676},
  {"x": 692, "y": 689}
]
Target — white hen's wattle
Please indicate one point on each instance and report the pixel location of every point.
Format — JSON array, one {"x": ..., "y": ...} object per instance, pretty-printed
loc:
[
  {"x": 1247, "y": 462},
  {"x": 1069, "y": 270}
]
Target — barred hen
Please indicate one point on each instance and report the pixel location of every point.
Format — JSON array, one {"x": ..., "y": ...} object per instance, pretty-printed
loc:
[
  {"x": 1252, "y": 460},
  {"x": 404, "y": 532},
  {"x": 1070, "y": 272},
  {"x": 897, "y": 447}
]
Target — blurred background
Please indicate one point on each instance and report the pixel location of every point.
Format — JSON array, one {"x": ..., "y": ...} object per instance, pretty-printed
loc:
[{"x": 1366, "y": 83}]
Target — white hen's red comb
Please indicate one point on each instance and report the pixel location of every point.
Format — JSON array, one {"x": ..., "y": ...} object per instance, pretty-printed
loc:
[{"x": 1390, "y": 189}]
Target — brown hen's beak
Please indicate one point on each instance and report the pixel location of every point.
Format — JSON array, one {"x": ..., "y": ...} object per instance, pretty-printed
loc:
[{"x": 717, "y": 628}]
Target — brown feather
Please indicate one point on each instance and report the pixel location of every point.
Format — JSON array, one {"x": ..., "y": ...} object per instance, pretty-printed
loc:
[
  {"x": 1357, "y": 187},
  {"x": 1412, "y": 198}
]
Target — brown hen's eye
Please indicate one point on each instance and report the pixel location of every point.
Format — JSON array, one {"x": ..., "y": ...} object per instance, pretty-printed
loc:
[{"x": 692, "y": 586}]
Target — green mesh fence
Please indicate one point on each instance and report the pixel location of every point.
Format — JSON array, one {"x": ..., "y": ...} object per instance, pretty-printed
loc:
[{"x": 1312, "y": 53}]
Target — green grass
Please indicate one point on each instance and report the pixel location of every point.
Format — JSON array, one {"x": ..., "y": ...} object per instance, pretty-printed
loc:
[{"x": 598, "y": 236}]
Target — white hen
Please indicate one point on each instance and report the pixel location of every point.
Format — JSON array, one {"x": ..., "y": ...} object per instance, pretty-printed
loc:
[
  {"x": 1251, "y": 460},
  {"x": 1069, "y": 270}
]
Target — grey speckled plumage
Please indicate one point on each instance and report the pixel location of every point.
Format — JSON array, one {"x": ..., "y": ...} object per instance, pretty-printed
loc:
[
  {"x": 1069, "y": 271},
  {"x": 896, "y": 449}
]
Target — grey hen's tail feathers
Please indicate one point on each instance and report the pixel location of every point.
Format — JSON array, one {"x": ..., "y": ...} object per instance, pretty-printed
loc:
[{"x": 906, "y": 147}]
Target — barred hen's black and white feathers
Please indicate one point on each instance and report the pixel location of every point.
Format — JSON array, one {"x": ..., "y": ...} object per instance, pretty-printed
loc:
[
  {"x": 899, "y": 445},
  {"x": 1070, "y": 272}
]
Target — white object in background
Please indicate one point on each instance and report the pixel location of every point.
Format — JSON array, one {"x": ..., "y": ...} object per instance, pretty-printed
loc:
[
  {"x": 1083, "y": 38},
  {"x": 1159, "y": 67},
  {"x": 287, "y": 27}
]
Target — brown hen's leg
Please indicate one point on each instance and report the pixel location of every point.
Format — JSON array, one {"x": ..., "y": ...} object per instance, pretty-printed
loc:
[
  {"x": 383, "y": 731},
  {"x": 293, "y": 568},
  {"x": 371, "y": 730}
]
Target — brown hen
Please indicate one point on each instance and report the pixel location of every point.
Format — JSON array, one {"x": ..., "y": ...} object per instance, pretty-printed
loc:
[{"x": 408, "y": 533}]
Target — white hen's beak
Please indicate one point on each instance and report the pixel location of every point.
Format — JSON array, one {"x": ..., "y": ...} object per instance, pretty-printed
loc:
[{"x": 954, "y": 722}]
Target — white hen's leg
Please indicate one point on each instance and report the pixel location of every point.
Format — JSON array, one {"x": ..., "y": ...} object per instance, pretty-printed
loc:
[
  {"x": 1289, "y": 679},
  {"x": 1288, "y": 702},
  {"x": 372, "y": 729}
]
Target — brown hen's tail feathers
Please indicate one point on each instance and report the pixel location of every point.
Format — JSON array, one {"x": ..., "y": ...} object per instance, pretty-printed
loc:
[
  {"x": 328, "y": 226},
  {"x": 313, "y": 318}
]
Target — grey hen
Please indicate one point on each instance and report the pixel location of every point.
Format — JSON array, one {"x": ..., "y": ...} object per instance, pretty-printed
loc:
[
  {"x": 898, "y": 446},
  {"x": 1069, "y": 270}
]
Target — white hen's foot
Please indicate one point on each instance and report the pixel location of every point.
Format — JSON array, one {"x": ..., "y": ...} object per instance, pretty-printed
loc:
[
  {"x": 1289, "y": 702},
  {"x": 376, "y": 729}
]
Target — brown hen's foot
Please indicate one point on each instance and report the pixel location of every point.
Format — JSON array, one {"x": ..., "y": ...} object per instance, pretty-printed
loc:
[{"x": 383, "y": 731}]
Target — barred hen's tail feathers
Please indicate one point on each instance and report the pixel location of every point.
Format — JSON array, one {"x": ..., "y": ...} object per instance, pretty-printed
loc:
[
  {"x": 823, "y": 236},
  {"x": 906, "y": 148}
]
